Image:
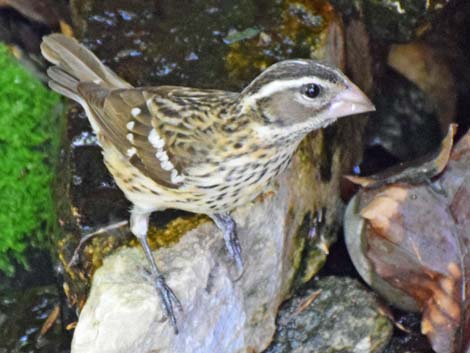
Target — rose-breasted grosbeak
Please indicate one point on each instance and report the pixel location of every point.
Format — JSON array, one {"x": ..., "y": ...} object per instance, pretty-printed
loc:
[{"x": 199, "y": 150}]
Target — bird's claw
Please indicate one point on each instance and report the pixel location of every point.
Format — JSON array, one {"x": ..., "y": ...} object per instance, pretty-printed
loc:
[
  {"x": 169, "y": 300},
  {"x": 226, "y": 223},
  {"x": 234, "y": 250}
]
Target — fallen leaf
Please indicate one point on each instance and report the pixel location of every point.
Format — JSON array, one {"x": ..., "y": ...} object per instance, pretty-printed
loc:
[{"x": 419, "y": 241}]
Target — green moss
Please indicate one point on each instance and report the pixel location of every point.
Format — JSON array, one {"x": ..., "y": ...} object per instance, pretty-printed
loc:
[{"x": 28, "y": 141}]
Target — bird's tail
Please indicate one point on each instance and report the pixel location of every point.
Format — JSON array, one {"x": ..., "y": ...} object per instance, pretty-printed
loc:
[{"x": 74, "y": 64}]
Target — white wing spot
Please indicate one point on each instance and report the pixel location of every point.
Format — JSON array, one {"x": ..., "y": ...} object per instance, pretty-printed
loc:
[
  {"x": 167, "y": 165},
  {"x": 130, "y": 125},
  {"x": 131, "y": 151},
  {"x": 130, "y": 137},
  {"x": 135, "y": 111},
  {"x": 155, "y": 139},
  {"x": 162, "y": 156},
  {"x": 175, "y": 178},
  {"x": 157, "y": 142}
]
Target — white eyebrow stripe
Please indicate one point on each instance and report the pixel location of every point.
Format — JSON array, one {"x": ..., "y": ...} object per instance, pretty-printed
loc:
[{"x": 279, "y": 85}]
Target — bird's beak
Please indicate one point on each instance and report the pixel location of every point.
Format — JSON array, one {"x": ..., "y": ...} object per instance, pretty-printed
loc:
[{"x": 349, "y": 102}]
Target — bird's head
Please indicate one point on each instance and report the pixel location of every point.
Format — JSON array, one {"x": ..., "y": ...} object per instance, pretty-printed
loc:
[{"x": 302, "y": 95}]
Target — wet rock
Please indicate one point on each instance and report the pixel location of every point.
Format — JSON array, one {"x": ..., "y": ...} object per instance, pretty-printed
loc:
[
  {"x": 394, "y": 20},
  {"x": 22, "y": 313},
  {"x": 336, "y": 315},
  {"x": 298, "y": 29}
]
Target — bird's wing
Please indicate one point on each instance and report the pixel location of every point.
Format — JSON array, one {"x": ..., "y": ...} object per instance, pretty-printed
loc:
[{"x": 163, "y": 131}]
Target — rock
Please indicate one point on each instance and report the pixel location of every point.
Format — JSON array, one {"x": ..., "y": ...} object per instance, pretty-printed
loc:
[
  {"x": 394, "y": 20},
  {"x": 23, "y": 314},
  {"x": 336, "y": 315}
]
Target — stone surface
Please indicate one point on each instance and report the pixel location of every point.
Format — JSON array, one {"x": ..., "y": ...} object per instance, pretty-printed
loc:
[
  {"x": 394, "y": 20},
  {"x": 23, "y": 314},
  {"x": 336, "y": 315}
]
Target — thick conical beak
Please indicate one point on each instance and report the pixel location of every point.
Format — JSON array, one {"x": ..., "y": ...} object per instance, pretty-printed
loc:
[{"x": 349, "y": 102}]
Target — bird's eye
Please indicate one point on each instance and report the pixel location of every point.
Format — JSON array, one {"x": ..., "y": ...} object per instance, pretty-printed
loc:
[{"x": 312, "y": 90}]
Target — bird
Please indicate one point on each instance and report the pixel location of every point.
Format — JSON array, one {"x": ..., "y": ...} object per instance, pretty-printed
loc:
[{"x": 205, "y": 151}]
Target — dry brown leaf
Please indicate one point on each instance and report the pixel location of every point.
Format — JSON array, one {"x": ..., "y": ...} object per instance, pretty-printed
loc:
[{"x": 419, "y": 242}]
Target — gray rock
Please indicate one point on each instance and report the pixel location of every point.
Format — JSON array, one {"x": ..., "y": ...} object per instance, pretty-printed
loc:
[{"x": 342, "y": 317}]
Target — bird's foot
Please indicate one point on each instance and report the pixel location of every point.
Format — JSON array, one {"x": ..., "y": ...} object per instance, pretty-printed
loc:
[
  {"x": 234, "y": 250},
  {"x": 227, "y": 225},
  {"x": 169, "y": 300}
]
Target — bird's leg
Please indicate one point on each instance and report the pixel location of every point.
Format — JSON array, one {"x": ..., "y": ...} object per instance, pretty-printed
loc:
[
  {"x": 139, "y": 225},
  {"x": 226, "y": 224}
]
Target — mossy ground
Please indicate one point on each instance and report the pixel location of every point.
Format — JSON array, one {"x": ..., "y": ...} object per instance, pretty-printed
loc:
[{"x": 29, "y": 130}]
